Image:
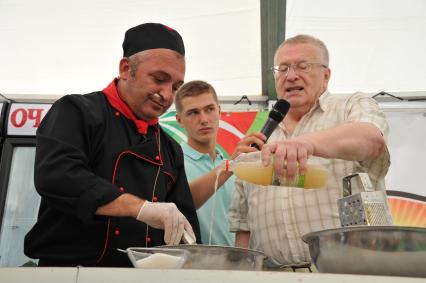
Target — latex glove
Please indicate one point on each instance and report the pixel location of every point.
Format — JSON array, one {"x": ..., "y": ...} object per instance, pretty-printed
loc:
[{"x": 165, "y": 215}]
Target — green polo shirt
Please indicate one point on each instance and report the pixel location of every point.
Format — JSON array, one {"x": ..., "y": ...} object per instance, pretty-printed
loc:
[{"x": 196, "y": 165}]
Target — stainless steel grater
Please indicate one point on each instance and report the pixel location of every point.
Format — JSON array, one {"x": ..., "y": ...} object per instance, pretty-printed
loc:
[{"x": 365, "y": 208}]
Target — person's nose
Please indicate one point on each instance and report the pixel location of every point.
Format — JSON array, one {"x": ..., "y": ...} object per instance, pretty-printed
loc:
[
  {"x": 167, "y": 94},
  {"x": 204, "y": 119},
  {"x": 292, "y": 74}
]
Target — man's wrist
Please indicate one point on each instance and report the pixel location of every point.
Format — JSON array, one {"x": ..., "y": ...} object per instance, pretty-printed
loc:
[
  {"x": 139, "y": 216},
  {"x": 132, "y": 203}
]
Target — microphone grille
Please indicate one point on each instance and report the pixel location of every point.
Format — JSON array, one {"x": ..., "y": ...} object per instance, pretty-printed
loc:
[{"x": 282, "y": 106}]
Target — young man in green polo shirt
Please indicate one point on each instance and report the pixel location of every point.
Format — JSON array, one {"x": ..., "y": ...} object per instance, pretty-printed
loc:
[{"x": 198, "y": 112}]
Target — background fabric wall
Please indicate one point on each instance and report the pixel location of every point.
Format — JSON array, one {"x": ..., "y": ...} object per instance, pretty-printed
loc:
[{"x": 74, "y": 46}]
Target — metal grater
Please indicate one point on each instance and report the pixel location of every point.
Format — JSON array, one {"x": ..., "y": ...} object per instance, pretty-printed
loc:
[{"x": 365, "y": 208}]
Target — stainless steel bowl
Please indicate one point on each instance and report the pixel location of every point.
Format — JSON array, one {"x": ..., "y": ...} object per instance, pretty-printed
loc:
[
  {"x": 221, "y": 257},
  {"x": 375, "y": 250}
]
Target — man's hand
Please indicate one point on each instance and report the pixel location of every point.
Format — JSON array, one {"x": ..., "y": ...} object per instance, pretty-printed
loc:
[
  {"x": 290, "y": 155},
  {"x": 244, "y": 145},
  {"x": 165, "y": 215}
]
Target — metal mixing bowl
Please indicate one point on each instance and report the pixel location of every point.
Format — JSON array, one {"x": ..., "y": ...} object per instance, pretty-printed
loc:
[
  {"x": 221, "y": 257},
  {"x": 375, "y": 250}
]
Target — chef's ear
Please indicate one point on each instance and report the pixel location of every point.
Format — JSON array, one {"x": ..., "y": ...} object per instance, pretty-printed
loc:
[{"x": 125, "y": 68}]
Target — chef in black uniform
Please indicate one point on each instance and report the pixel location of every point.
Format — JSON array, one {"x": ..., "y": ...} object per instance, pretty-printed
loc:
[{"x": 108, "y": 175}]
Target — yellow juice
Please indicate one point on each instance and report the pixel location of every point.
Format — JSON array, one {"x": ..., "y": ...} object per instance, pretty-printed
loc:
[
  {"x": 316, "y": 177},
  {"x": 254, "y": 172}
]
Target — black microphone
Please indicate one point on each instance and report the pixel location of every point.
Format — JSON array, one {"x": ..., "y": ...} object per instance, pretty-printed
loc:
[{"x": 277, "y": 114}]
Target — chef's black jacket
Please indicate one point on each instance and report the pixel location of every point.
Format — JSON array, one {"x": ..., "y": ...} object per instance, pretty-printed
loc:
[{"x": 87, "y": 155}]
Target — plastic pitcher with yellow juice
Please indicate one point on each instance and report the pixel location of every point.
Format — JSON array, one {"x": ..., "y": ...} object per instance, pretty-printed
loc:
[
  {"x": 255, "y": 173},
  {"x": 316, "y": 177},
  {"x": 248, "y": 167}
]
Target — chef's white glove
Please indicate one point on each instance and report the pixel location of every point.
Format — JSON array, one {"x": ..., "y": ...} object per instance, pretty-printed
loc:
[{"x": 165, "y": 215}]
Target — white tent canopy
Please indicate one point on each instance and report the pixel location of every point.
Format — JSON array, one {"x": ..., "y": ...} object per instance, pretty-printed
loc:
[
  {"x": 74, "y": 46},
  {"x": 375, "y": 45}
]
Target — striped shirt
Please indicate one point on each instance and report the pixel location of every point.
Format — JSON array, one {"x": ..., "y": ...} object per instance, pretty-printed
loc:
[{"x": 278, "y": 217}]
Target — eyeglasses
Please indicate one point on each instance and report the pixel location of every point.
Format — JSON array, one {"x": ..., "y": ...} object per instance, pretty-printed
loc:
[{"x": 304, "y": 67}]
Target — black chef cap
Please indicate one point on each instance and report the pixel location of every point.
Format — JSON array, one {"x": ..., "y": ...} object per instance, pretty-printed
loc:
[{"x": 151, "y": 36}]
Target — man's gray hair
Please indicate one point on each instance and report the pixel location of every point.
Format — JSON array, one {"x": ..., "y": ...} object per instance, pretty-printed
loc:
[
  {"x": 305, "y": 38},
  {"x": 139, "y": 57}
]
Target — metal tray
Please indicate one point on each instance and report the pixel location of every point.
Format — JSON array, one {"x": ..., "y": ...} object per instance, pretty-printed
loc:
[
  {"x": 221, "y": 257},
  {"x": 374, "y": 250}
]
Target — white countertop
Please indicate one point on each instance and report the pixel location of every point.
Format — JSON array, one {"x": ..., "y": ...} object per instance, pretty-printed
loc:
[{"x": 131, "y": 275}]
